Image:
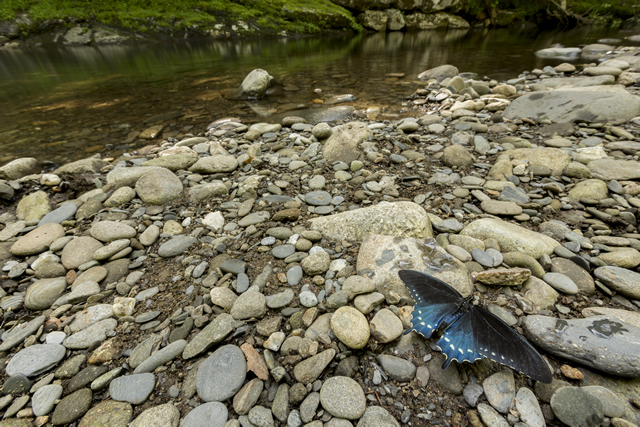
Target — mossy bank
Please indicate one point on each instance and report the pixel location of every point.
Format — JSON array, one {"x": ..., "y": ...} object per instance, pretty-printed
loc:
[{"x": 84, "y": 22}]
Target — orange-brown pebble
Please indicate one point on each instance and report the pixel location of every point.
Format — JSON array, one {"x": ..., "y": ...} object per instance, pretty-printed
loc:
[{"x": 571, "y": 372}]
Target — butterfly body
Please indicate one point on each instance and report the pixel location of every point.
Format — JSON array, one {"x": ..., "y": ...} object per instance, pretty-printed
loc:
[{"x": 468, "y": 332}]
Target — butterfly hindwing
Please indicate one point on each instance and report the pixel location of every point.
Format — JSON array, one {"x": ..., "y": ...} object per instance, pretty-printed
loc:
[
  {"x": 458, "y": 341},
  {"x": 497, "y": 341}
]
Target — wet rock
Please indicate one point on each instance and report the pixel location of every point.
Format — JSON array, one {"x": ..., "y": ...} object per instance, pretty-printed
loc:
[
  {"x": 607, "y": 345},
  {"x": 575, "y": 406}
]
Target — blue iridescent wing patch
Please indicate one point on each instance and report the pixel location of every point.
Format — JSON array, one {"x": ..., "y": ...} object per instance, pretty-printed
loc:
[{"x": 468, "y": 332}]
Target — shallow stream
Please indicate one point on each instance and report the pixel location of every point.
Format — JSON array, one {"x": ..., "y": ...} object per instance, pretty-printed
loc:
[{"x": 67, "y": 103}]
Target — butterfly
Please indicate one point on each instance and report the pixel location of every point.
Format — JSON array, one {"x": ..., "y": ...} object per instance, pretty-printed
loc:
[{"x": 468, "y": 332}]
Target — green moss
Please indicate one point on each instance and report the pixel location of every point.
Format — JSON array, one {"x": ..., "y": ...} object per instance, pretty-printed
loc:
[{"x": 295, "y": 16}]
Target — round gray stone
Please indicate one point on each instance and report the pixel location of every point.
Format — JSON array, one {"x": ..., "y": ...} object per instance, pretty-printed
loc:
[
  {"x": 318, "y": 198},
  {"x": 222, "y": 374},
  {"x": 133, "y": 389},
  {"x": 211, "y": 414},
  {"x": 158, "y": 187},
  {"x": 283, "y": 251},
  {"x": 44, "y": 399},
  {"x": 399, "y": 369},
  {"x": 561, "y": 283},
  {"x": 72, "y": 407},
  {"x": 108, "y": 231}
]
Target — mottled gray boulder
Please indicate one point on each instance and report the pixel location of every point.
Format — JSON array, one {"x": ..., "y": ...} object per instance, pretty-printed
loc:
[
  {"x": 255, "y": 85},
  {"x": 174, "y": 162},
  {"x": 374, "y": 19},
  {"x": 621, "y": 280},
  {"x": 90, "y": 165},
  {"x": 458, "y": 156},
  {"x": 128, "y": 176},
  {"x": 380, "y": 258},
  {"x": 431, "y": 21},
  {"x": 401, "y": 219},
  {"x": 603, "y": 343},
  {"x": 566, "y": 106},
  {"x": 343, "y": 145},
  {"x": 201, "y": 192},
  {"x": 158, "y": 187},
  {"x": 43, "y": 293},
  {"x": 439, "y": 73},
  {"x": 559, "y": 82},
  {"x": 34, "y": 206},
  {"x": 553, "y": 158},
  {"x": 20, "y": 167}
]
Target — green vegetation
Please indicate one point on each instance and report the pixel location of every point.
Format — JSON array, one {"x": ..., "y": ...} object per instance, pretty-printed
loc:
[
  {"x": 296, "y": 16},
  {"x": 578, "y": 11}
]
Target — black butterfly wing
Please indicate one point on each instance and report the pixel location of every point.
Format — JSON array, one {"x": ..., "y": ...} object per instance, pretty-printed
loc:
[
  {"x": 458, "y": 341},
  {"x": 497, "y": 341},
  {"x": 426, "y": 289}
]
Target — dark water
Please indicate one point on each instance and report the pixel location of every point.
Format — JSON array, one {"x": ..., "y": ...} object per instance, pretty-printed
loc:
[{"x": 68, "y": 103}]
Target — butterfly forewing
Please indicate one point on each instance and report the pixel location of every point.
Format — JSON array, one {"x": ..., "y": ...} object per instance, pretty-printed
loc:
[{"x": 428, "y": 290}]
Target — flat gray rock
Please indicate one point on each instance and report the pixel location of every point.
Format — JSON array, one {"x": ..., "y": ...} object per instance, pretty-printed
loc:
[
  {"x": 35, "y": 359},
  {"x": 374, "y": 416},
  {"x": 108, "y": 231},
  {"x": 165, "y": 415},
  {"x": 37, "y": 240},
  {"x": 42, "y": 294},
  {"x": 133, "y": 389},
  {"x": 222, "y": 374},
  {"x": 20, "y": 332},
  {"x": 601, "y": 342},
  {"x": 567, "y": 106},
  {"x": 93, "y": 334},
  {"x": 398, "y": 368},
  {"x": 44, "y": 399},
  {"x": 161, "y": 357},
  {"x": 318, "y": 198},
  {"x": 79, "y": 251},
  {"x": 621, "y": 280},
  {"x": 608, "y": 169},
  {"x": 63, "y": 213},
  {"x": 176, "y": 246}
]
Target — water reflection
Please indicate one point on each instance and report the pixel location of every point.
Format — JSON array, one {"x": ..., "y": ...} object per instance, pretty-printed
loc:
[{"x": 66, "y": 103}]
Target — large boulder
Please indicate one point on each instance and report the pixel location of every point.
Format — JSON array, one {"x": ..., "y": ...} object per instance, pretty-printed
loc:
[
  {"x": 158, "y": 187},
  {"x": 343, "y": 144},
  {"x": 374, "y": 19},
  {"x": 255, "y": 85},
  {"x": 554, "y": 158},
  {"x": 422, "y": 5},
  {"x": 34, "y": 206},
  {"x": 608, "y": 169},
  {"x": 439, "y": 73},
  {"x": 421, "y": 21},
  {"x": 401, "y": 219},
  {"x": 90, "y": 165},
  {"x": 566, "y": 106}
]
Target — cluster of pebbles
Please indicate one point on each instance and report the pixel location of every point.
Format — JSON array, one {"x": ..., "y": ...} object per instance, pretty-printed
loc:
[{"x": 248, "y": 276}]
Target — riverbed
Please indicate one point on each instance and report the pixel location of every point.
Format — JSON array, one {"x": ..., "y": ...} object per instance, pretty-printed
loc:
[{"x": 70, "y": 102}]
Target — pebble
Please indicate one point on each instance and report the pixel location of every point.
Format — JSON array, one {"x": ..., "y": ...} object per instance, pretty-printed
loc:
[
  {"x": 222, "y": 374},
  {"x": 343, "y": 397}
]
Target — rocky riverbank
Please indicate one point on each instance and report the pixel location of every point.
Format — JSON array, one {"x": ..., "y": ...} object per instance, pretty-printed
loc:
[{"x": 247, "y": 275}]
